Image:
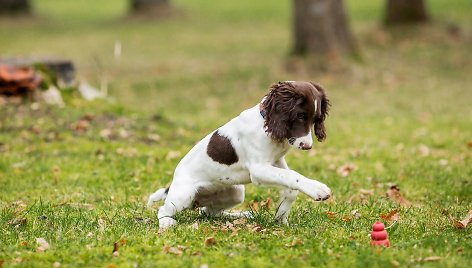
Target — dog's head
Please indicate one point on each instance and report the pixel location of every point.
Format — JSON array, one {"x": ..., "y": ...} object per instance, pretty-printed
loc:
[{"x": 292, "y": 109}]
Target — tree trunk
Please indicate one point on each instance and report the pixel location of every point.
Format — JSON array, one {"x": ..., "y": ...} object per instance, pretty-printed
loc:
[
  {"x": 405, "y": 11},
  {"x": 14, "y": 7},
  {"x": 154, "y": 8},
  {"x": 321, "y": 28}
]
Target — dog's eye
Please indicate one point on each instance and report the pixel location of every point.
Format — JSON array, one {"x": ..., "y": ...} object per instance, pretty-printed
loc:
[{"x": 302, "y": 116}]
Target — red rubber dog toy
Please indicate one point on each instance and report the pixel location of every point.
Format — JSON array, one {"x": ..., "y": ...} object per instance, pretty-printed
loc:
[{"x": 379, "y": 235}]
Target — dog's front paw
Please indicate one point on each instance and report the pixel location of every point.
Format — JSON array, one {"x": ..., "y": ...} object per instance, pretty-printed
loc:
[
  {"x": 166, "y": 222},
  {"x": 283, "y": 220},
  {"x": 319, "y": 191}
]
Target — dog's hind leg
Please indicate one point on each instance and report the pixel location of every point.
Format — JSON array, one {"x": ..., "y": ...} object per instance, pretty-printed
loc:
[
  {"x": 215, "y": 203},
  {"x": 179, "y": 197}
]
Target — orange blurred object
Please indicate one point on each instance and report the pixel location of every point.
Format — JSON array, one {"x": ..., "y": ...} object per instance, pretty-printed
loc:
[{"x": 18, "y": 81}]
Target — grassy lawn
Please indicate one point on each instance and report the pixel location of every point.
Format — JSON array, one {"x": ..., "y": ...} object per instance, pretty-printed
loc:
[{"x": 79, "y": 176}]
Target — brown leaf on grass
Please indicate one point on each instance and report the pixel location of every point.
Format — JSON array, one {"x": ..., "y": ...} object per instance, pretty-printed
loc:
[
  {"x": 346, "y": 169},
  {"x": 331, "y": 215},
  {"x": 394, "y": 195},
  {"x": 80, "y": 126},
  {"x": 469, "y": 144},
  {"x": 197, "y": 253},
  {"x": 43, "y": 244},
  {"x": 266, "y": 203},
  {"x": 295, "y": 242},
  {"x": 18, "y": 222},
  {"x": 240, "y": 221},
  {"x": 118, "y": 244},
  {"x": 172, "y": 250},
  {"x": 432, "y": 258},
  {"x": 457, "y": 223},
  {"x": 209, "y": 241},
  {"x": 429, "y": 259},
  {"x": 256, "y": 228},
  {"x": 254, "y": 205},
  {"x": 463, "y": 223},
  {"x": 391, "y": 216},
  {"x": 355, "y": 214}
]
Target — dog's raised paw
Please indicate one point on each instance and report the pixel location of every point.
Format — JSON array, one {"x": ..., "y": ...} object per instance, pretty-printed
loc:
[
  {"x": 166, "y": 222},
  {"x": 320, "y": 192}
]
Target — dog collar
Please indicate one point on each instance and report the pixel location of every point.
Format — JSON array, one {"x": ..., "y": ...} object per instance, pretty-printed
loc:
[{"x": 261, "y": 108}]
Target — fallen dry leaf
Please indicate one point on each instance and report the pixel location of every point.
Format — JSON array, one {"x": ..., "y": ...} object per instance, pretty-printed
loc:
[
  {"x": 197, "y": 253},
  {"x": 18, "y": 222},
  {"x": 266, "y": 203},
  {"x": 394, "y": 195},
  {"x": 346, "y": 169},
  {"x": 429, "y": 259},
  {"x": 209, "y": 241},
  {"x": 391, "y": 216},
  {"x": 254, "y": 205},
  {"x": 432, "y": 258},
  {"x": 43, "y": 244},
  {"x": 118, "y": 244},
  {"x": 172, "y": 250},
  {"x": 295, "y": 242},
  {"x": 240, "y": 221},
  {"x": 355, "y": 214},
  {"x": 80, "y": 126},
  {"x": 256, "y": 228},
  {"x": 466, "y": 220},
  {"x": 331, "y": 215},
  {"x": 459, "y": 224}
]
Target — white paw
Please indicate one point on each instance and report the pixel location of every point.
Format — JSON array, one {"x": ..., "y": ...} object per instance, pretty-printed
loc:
[
  {"x": 319, "y": 191},
  {"x": 246, "y": 214},
  {"x": 282, "y": 220},
  {"x": 166, "y": 222}
]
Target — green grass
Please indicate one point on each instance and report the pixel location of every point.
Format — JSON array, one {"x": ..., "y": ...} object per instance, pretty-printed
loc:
[{"x": 183, "y": 77}]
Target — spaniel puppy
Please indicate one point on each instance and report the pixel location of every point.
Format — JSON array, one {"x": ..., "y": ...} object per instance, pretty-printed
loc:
[{"x": 250, "y": 148}]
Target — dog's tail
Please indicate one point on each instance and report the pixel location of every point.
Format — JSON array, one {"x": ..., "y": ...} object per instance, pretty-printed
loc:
[{"x": 159, "y": 195}]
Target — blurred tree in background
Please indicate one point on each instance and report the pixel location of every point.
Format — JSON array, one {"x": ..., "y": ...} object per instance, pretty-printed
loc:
[
  {"x": 321, "y": 28},
  {"x": 154, "y": 8},
  {"x": 14, "y": 7},
  {"x": 405, "y": 11}
]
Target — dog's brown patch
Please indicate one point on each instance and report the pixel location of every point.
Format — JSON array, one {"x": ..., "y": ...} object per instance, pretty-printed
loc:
[{"x": 221, "y": 150}]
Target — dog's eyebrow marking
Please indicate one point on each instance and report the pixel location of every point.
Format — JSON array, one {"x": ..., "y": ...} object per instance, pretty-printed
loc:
[{"x": 221, "y": 150}]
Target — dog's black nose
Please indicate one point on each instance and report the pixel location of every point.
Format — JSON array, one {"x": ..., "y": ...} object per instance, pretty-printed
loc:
[{"x": 304, "y": 146}]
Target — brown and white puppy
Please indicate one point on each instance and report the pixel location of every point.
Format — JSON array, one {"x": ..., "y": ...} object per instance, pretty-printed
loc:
[{"x": 251, "y": 148}]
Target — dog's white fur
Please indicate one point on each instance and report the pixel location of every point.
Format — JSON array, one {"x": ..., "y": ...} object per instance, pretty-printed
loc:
[{"x": 217, "y": 187}]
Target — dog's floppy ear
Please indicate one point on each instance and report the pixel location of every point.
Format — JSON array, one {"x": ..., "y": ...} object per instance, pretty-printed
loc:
[
  {"x": 278, "y": 105},
  {"x": 321, "y": 112}
]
